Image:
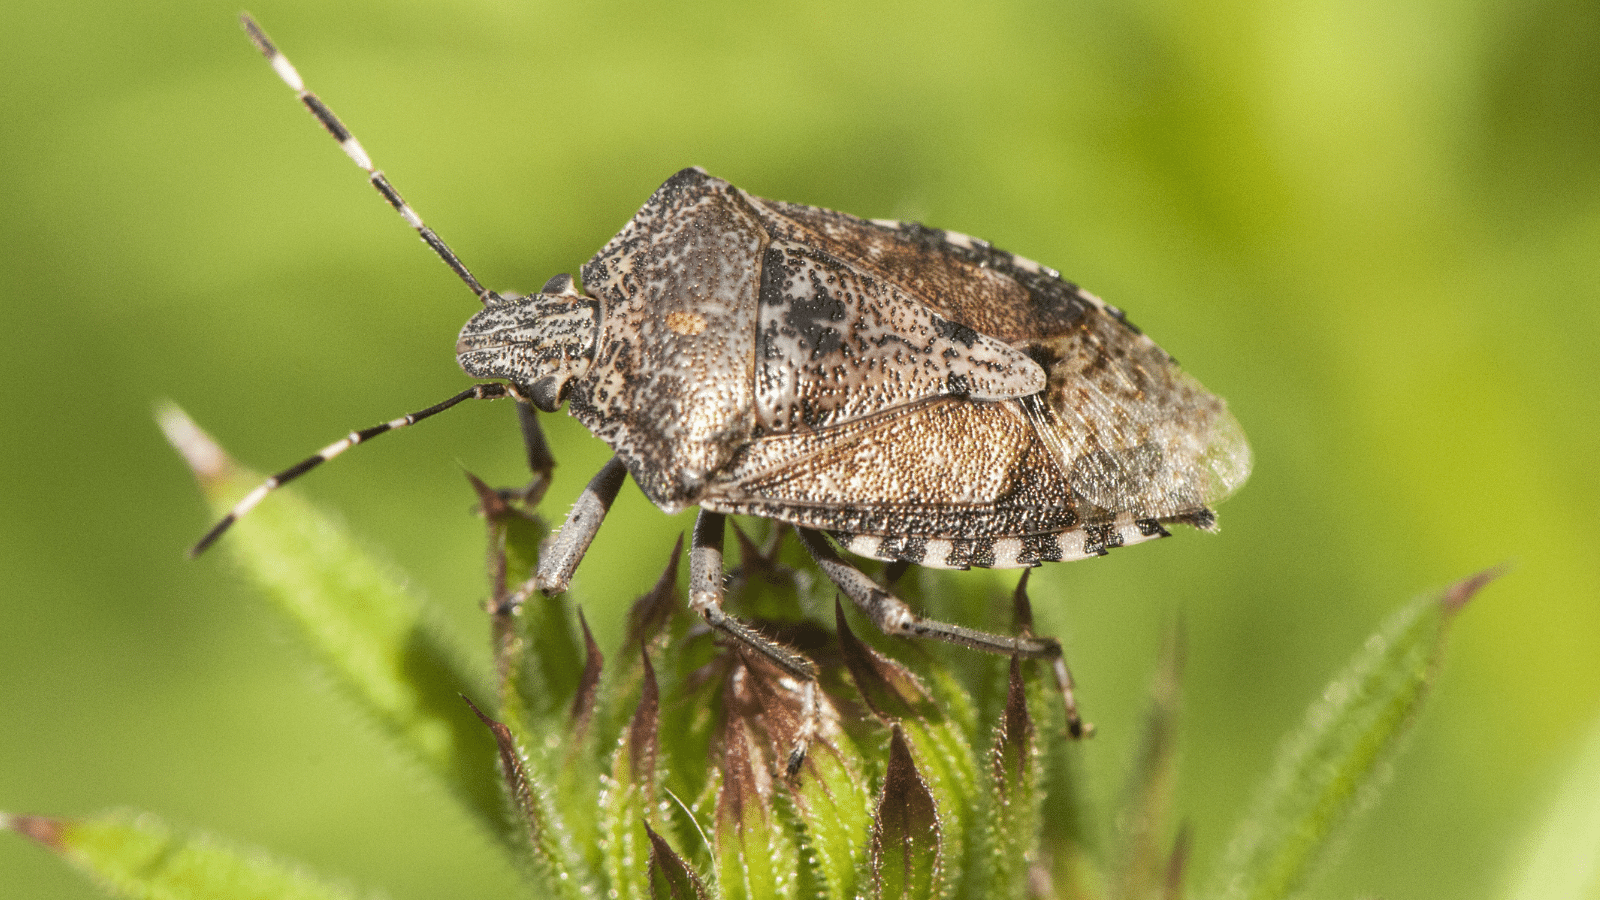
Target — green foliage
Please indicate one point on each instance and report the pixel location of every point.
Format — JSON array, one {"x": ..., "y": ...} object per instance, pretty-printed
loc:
[
  {"x": 1372, "y": 227},
  {"x": 138, "y": 855},
  {"x": 908, "y": 843},
  {"x": 663, "y": 773},
  {"x": 1565, "y": 854},
  {"x": 1329, "y": 766},
  {"x": 372, "y": 637}
]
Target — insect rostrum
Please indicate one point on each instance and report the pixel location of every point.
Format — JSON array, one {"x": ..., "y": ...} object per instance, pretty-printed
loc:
[{"x": 917, "y": 394}]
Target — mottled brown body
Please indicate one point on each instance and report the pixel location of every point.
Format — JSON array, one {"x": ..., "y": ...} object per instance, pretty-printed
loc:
[{"x": 918, "y": 393}]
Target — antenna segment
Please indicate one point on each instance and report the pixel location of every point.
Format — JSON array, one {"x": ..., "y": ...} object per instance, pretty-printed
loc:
[{"x": 358, "y": 155}]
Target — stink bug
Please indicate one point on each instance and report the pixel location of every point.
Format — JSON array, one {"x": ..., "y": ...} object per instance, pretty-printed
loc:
[{"x": 915, "y": 395}]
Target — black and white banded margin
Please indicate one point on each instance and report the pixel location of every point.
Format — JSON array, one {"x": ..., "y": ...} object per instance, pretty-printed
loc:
[
  {"x": 1004, "y": 552},
  {"x": 358, "y": 155}
]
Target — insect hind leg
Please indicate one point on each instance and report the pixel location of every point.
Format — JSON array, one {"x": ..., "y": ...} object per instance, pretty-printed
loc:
[{"x": 894, "y": 617}]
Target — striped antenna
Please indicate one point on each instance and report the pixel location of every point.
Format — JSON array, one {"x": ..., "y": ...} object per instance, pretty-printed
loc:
[
  {"x": 476, "y": 392},
  {"x": 358, "y": 154}
]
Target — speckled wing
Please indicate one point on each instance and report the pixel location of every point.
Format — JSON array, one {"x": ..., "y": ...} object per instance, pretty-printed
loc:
[
  {"x": 1119, "y": 441},
  {"x": 1130, "y": 429},
  {"x": 835, "y": 344}
]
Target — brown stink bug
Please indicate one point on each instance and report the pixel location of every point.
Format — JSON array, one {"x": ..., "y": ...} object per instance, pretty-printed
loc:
[{"x": 917, "y": 395}]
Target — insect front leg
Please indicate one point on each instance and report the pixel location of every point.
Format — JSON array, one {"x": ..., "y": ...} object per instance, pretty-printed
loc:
[
  {"x": 894, "y": 616},
  {"x": 705, "y": 598},
  {"x": 562, "y": 555},
  {"x": 541, "y": 462}
]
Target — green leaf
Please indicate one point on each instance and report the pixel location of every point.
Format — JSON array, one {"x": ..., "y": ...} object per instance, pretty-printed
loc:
[
  {"x": 1069, "y": 842},
  {"x": 544, "y": 845},
  {"x": 1012, "y": 826},
  {"x": 1144, "y": 867},
  {"x": 906, "y": 857},
  {"x": 671, "y": 878},
  {"x": 547, "y": 755},
  {"x": 935, "y": 723},
  {"x": 138, "y": 855},
  {"x": 756, "y": 853},
  {"x": 537, "y": 651},
  {"x": 628, "y": 799},
  {"x": 374, "y": 638},
  {"x": 832, "y": 801},
  {"x": 1564, "y": 861},
  {"x": 1331, "y": 763}
]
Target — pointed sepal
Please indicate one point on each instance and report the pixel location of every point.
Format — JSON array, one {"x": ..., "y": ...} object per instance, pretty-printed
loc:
[{"x": 906, "y": 833}]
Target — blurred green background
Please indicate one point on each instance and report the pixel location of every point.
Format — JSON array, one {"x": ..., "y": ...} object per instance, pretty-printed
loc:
[{"x": 1373, "y": 227}]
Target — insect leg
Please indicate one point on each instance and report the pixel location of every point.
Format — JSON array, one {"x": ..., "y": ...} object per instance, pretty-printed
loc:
[
  {"x": 894, "y": 617},
  {"x": 561, "y": 557},
  {"x": 540, "y": 460},
  {"x": 896, "y": 571},
  {"x": 705, "y": 598}
]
